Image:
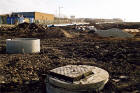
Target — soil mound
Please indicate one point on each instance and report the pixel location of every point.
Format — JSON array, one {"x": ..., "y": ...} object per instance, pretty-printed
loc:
[
  {"x": 40, "y": 31},
  {"x": 6, "y": 27},
  {"x": 27, "y": 27},
  {"x": 58, "y": 33},
  {"x": 23, "y": 25}
]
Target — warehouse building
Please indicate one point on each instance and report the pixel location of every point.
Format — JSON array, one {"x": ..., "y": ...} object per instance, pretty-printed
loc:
[
  {"x": 30, "y": 17},
  {"x": 3, "y": 19}
]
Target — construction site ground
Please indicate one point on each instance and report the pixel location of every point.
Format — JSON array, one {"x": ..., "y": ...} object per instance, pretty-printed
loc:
[{"x": 60, "y": 46}]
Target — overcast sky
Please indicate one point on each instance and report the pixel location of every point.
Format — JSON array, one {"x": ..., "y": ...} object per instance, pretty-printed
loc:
[{"x": 125, "y": 9}]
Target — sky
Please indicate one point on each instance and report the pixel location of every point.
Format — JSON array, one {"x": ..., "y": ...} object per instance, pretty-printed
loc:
[{"x": 127, "y": 10}]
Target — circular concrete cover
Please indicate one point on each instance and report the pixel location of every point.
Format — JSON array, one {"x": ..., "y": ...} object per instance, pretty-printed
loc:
[{"x": 78, "y": 77}]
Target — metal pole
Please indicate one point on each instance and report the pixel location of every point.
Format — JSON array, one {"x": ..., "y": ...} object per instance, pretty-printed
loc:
[{"x": 59, "y": 13}]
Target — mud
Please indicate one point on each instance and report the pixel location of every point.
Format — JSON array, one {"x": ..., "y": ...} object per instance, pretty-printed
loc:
[{"x": 25, "y": 73}]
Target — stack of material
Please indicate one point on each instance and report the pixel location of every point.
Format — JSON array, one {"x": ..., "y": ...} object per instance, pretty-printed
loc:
[{"x": 114, "y": 32}]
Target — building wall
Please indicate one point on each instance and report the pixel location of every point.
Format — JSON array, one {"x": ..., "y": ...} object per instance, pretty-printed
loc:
[
  {"x": 30, "y": 17},
  {"x": 3, "y": 19},
  {"x": 25, "y": 14},
  {"x": 43, "y": 16}
]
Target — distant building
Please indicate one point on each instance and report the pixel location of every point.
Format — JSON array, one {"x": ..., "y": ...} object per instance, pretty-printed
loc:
[
  {"x": 30, "y": 17},
  {"x": 3, "y": 18},
  {"x": 72, "y": 17}
]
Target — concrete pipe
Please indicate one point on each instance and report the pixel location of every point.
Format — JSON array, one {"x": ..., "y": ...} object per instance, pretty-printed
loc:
[
  {"x": 76, "y": 79},
  {"x": 23, "y": 45}
]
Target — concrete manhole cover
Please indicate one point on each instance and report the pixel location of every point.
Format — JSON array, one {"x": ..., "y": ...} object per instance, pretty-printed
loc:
[
  {"x": 76, "y": 79},
  {"x": 72, "y": 72}
]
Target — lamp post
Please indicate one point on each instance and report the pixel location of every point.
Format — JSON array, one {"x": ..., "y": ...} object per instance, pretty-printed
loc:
[{"x": 60, "y": 12}]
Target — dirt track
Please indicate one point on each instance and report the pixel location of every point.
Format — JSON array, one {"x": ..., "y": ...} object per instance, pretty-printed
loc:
[{"x": 24, "y": 73}]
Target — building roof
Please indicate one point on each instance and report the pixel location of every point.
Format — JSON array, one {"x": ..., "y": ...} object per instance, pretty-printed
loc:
[{"x": 4, "y": 15}]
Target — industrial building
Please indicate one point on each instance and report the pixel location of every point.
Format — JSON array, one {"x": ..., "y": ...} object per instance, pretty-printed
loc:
[
  {"x": 30, "y": 17},
  {"x": 3, "y": 18}
]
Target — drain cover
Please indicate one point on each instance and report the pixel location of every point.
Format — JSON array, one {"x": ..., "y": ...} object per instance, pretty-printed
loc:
[
  {"x": 72, "y": 72},
  {"x": 76, "y": 79}
]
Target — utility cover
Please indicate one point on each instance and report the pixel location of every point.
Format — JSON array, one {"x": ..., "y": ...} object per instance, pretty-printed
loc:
[{"x": 72, "y": 73}]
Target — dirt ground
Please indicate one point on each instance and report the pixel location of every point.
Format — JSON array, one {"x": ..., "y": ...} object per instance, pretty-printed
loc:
[{"x": 60, "y": 46}]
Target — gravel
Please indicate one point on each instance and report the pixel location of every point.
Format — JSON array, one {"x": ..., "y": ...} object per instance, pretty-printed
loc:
[{"x": 114, "y": 32}]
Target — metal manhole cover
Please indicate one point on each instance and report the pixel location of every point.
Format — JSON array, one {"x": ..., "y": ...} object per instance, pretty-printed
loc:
[{"x": 72, "y": 72}]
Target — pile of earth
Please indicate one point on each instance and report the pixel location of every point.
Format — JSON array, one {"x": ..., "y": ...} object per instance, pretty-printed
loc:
[
  {"x": 111, "y": 33},
  {"x": 29, "y": 27},
  {"x": 27, "y": 30},
  {"x": 124, "y": 25},
  {"x": 6, "y": 27},
  {"x": 57, "y": 32}
]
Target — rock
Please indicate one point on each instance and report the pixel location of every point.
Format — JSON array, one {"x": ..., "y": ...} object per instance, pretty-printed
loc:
[
  {"x": 116, "y": 80},
  {"x": 123, "y": 77},
  {"x": 2, "y": 82},
  {"x": 97, "y": 47}
]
